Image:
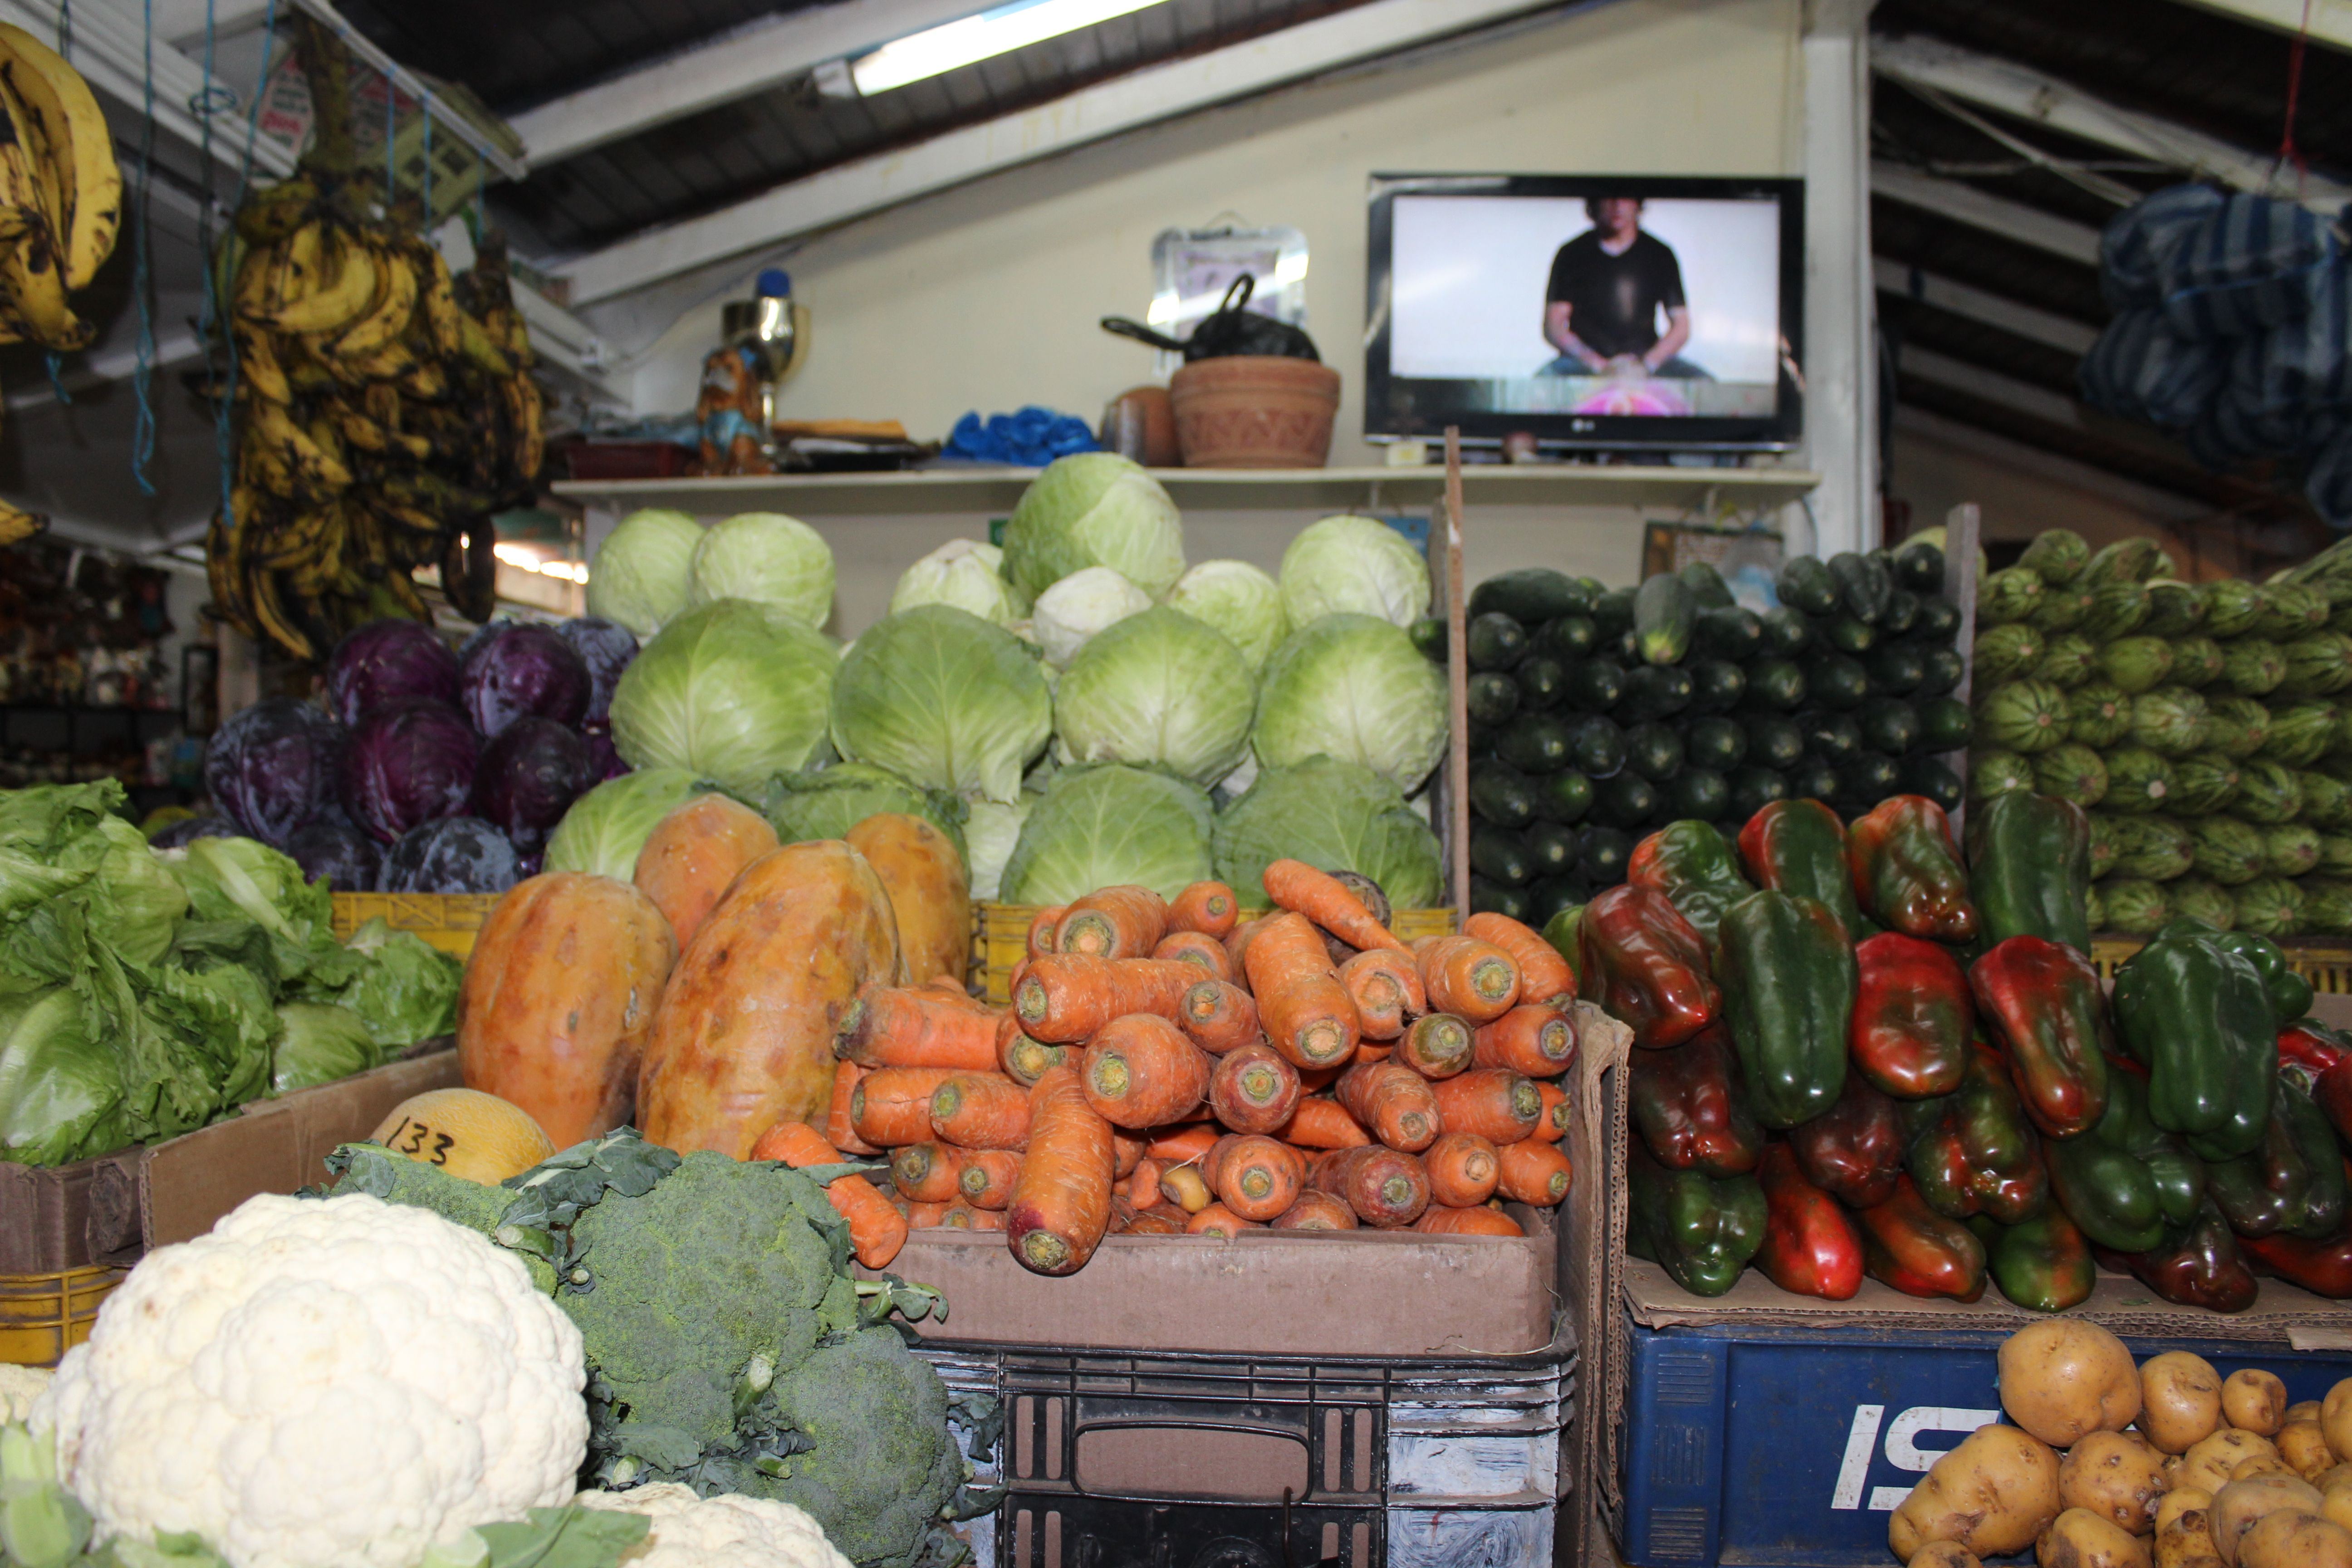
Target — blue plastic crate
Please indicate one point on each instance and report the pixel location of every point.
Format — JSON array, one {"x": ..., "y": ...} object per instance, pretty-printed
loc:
[{"x": 1782, "y": 1448}]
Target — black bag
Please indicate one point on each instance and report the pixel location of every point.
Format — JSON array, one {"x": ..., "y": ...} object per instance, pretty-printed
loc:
[{"x": 1226, "y": 332}]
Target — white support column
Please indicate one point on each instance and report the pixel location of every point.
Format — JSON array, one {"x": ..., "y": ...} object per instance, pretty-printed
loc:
[{"x": 1840, "y": 357}]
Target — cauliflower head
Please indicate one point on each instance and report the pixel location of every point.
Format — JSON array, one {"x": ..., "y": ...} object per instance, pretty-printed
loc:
[
  {"x": 694, "y": 1531},
  {"x": 20, "y": 1388},
  {"x": 327, "y": 1383}
]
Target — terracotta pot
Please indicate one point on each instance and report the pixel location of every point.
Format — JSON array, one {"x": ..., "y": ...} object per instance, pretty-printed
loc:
[
  {"x": 1253, "y": 411},
  {"x": 1140, "y": 424}
]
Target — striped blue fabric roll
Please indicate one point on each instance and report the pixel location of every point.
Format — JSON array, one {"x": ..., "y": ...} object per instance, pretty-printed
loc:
[
  {"x": 2248, "y": 265},
  {"x": 2304, "y": 366},
  {"x": 2136, "y": 241},
  {"x": 2328, "y": 482},
  {"x": 2140, "y": 369}
]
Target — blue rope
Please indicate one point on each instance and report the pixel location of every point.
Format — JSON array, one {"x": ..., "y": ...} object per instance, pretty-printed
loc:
[{"x": 143, "y": 373}]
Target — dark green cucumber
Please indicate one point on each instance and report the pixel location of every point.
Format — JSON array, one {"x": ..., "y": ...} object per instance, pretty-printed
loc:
[
  {"x": 1707, "y": 585},
  {"x": 1888, "y": 724},
  {"x": 1834, "y": 681},
  {"x": 1529, "y": 596},
  {"x": 1498, "y": 856},
  {"x": 1701, "y": 794},
  {"x": 1805, "y": 585},
  {"x": 1864, "y": 583},
  {"x": 1833, "y": 738},
  {"x": 1568, "y": 638},
  {"x": 1665, "y": 611},
  {"x": 1602, "y": 854},
  {"x": 1596, "y": 748},
  {"x": 1734, "y": 634},
  {"x": 1595, "y": 686},
  {"x": 1494, "y": 698},
  {"x": 1655, "y": 691},
  {"x": 1563, "y": 797},
  {"x": 1774, "y": 741},
  {"x": 1496, "y": 641},
  {"x": 1653, "y": 751},
  {"x": 1754, "y": 789},
  {"x": 1543, "y": 682},
  {"x": 1535, "y": 743},
  {"x": 1503, "y": 795},
  {"x": 1787, "y": 632},
  {"x": 1718, "y": 686},
  {"x": 1714, "y": 743}
]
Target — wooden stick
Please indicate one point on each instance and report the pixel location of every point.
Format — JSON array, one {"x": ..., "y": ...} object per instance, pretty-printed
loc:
[
  {"x": 1961, "y": 527},
  {"x": 1457, "y": 685}
]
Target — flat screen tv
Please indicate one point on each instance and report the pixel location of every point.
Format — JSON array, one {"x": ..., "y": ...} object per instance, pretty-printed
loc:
[{"x": 1593, "y": 312}]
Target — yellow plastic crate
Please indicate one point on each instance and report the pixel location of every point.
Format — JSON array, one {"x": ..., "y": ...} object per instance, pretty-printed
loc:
[
  {"x": 2328, "y": 965},
  {"x": 446, "y": 920},
  {"x": 1001, "y": 940},
  {"x": 42, "y": 1316}
]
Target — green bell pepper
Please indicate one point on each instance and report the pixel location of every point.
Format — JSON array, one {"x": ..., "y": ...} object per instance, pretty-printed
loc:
[
  {"x": 1693, "y": 865},
  {"x": 2042, "y": 1264},
  {"x": 1907, "y": 870},
  {"x": 1798, "y": 847},
  {"x": 2196, "y": 1015},
  {"x": 1974, "y": 1152},
  {"x": 1787, "y": 981},
  {"x": 2293, "y": 1182},
  {"x": 1701, "y": 1229},
  {"x": 2289, "y": 992},
  {"x": 2030, "y": 869}
]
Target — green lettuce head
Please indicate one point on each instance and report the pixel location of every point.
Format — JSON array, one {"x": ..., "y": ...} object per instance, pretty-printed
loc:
[
  {"x": 731, "y": 690},
  {"x": 641, "y": 572},
  {"x": 1353, "y": 566},
  {"x": 769, "y": 558},
  {"x": 60, "y": 1086},
  {"x": 1102, "y": 824},
  {"x": 945, "y": 700},
  {"x": 245, "y": 879},
  {"x": 1158, "y": 688},
  {"x": 1353, "y": 687},
  {"x": 1335, "y": 816},
  {"x": 607, "y": 826},
  {"x": 1238, "y": 600},
  {"x": 317, "y": 1044},
  {"x": 1095, "y": 509}
]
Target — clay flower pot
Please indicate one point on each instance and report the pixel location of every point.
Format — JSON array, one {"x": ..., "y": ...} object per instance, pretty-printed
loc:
[{"x": 1255, "y": 411}]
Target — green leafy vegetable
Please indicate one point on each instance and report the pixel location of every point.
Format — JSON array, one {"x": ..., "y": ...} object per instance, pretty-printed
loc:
[
  {"x": 944, "y": 699},
  {"x": 734, "y": 691},
  {"x": 1101, "y": 825},
  {"x": 1335, "y": 816}
]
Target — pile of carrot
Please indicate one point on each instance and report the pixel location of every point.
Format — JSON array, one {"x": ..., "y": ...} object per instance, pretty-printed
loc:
[{"x": 1167, "y": 1068}]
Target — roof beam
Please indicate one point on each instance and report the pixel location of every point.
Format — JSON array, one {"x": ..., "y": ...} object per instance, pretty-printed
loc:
[
  {"x": 2026, "y": 94},
  {"x": 2151, "y": 499},
  {"x": 1994, "y": 215},
  {"x": 109, "y": 365},
  {"x": 735, "y": 64},
  {"x": 1124, "y": 104},
  {"x": 2331, "y": 20},
  {"x": 1991, "y": 310},
  {"x": 2036, "y": 403}
]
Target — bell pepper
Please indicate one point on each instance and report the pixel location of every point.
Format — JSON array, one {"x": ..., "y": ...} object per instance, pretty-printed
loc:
[
  {"x": 2030, "y": 869},
  {"x": 1974, "y": 1150},
  {"x": 1798, "y": 847},
  {"x": 1643, "y": 965},
  {"x": 1691, "y": 1109},
  {"x": 2195, "y": 1012},
  {"x": 2042, "y": 1264},
  {"x": 2046, "y": 1008},
  {"x": 2196, "y": 1265},
  {"x": 1693, "y": 865},
  {"x": 1788, "y": 991},
  {"x": 2289, "y": 992},
  {"x": 1912, "y": 1017},
  {"x": 2127, "y": 1179},
  {"x": 1906, "y": 871},
  {"x": 2311, "y": 1044},
  {"x": 2322, "y": 1267},
  {"x": 1909, "y": 1246},
  {"x": 1854, "y": 1150},
  {"x": 1701, "y": 1229},
  {"x": 2293, "y": 1182},
  {"x": 2333, "y": 1094},
  {"x": 1812, "y": 1245},
  {"x": 1560, "y": 932}
]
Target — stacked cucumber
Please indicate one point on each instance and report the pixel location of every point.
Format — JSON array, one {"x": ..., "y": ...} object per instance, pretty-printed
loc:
[
  {"x": 1598, "y": 715},
  {"x": 2200, "y": 724}
]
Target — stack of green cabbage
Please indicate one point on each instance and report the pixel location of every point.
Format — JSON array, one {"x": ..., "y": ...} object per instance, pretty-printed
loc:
[
  {"x": 146, "y": 993},
  {"x": 2202, "y": 724}
]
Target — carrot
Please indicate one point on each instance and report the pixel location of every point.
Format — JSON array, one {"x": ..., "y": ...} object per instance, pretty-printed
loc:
[
  {"x": 1178, "y": 1145},
  {"x": 1237, "y": 942},
  {"x": 1390, "y": 1102},
  {"x": 1545, "y": 976},
  {"x": 1533, "y": 1171},
  {"x": 1474, "y": 979},
  {"x": 1141, "y": 1186},
  {"x": 1306, "y": 1012},
  {"x": 1066, "y": 998},
  {"x": 920, "y": 1026},
  {"x": 927, "y": 1172},
  {"x": 891, "y": 1107},
  {"x": 1194, "y": 947},
  {"x": 1315, "y": 1211},
  {"x": 1370, "y": 1053},
  {"x": 964, "y": 1216},
  {"x": 1219, "y": 1220},
  {"x": 1386, "y": 1187},
  {"x": 1061, "y": 1204},
  {"x": 1439, "y": 1220},
  {"x": 981, "y": 1110},
  {"x": 1314, "y": 1080},
  {"x": 1124, "y": 921},
  {"x": 1209, "y": 908},
  {"x": 1552, "y": 1125},
  {"x": 1140, "y": 1071},
  {"x": 926, "y": 1217},
  {"x": 1219, "y": 1015},
  {"x": 1042, "y": 931},
  {"x": 1322, "y": 897},
  {"x": 1462, "y": 1169},
  {"x": 1497, "y": 1104},
  {"x": 1126, "y": 1151},
  {"x": 1324, "y": 1124},
  {"x": 877, "y": 1230},
  {"x": 1254, "y": 1090},
  {"x": 1530, "y": 1039},
  {"x": 1183, "y": 1186},
  {"x": 1387, "y": 989},
  {"x": 1438, "y": 1044},
  {"x": 949, "y": 986},
  {"x": 988, "y": 1177},
  {"x": 840, "y": 1130},
  {"x": 1256, "y": 1176},
  {"x": 1021, "y": 1058},
  {"x": 1162, "y": 1221}
]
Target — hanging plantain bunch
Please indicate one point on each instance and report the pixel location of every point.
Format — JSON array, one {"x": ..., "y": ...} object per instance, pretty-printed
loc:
[{"x": 383, "y": 409}]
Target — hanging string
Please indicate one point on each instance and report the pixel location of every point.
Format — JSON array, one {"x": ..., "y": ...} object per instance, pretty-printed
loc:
[
  {"x": 2288, "y": 152},
  {"x": 54, "y": 361},
  {"x": 224, "y": 410},
  {"x": 142, "y": 368}
]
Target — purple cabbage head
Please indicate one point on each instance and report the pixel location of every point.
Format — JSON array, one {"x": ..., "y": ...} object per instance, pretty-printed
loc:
[
  {"x": 525, "y": 670},
  {"x": 606, "y": 647},
  {"x": 528, "y": 777},
  {"x": 272, "y": 766},
  {"x": 454, "y": 855},
  {"x": 388, "y": 662},
  {"x": 188, "y": 829},
  {"x": 341, "y": 852},
  {"x": 603, "y": 757},
  {"x": 408, "y": 764}
]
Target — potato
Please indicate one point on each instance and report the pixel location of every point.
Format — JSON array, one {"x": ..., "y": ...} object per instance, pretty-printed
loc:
[
  {"x": 2172, "y": 1505},
  {"x": 2081, "y": 1539},
  {"x": 2335, "y": 1419},
  {"x": 2117, "y": 1476},
  {"x": 2207, "y": 1466},
  {"x": 2185, "y": 1543},
  {"x": 2304, "y": 1446},
  {"x": 1944, "y": 1554},
  {"x": 2237, "y": 1506},
  {"x": 2262, "y": 1464},
  {"x": 2334, "y": 1477},
  {"x": 2303, "y": 1410},
  {"x": 2180, "y": 1400},
  {"x": 2254, "y": 1401},
  {"x": 1992, "y": 1495},
  {"x": 2065, "y": 1378},
  {"x": 2293, "y": 1539}
]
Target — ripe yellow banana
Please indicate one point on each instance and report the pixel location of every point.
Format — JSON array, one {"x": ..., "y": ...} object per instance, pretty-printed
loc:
[
  {"x": 16, "y": 525},
  {"x": 326, "y": 280},
  {"x": 478, "y": 349},
  {"x": 439, "y": 295},
  {"x": 33, "y": 286},
  {"x": 272, "y": 620},
  {"x": 79, "y": 139},
  {"x": 529, "y": 448},
  {"x": 395, "y": 302},
  {"x": 316, "y": 472},
  {"x": 257, "y": 369}
]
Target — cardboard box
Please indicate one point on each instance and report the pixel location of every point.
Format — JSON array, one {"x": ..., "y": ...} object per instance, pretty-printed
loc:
[{"x": 56, "y": 1217}]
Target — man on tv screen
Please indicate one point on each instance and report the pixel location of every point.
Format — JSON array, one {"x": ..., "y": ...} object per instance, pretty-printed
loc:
[{"x": 1608, "y": 286}]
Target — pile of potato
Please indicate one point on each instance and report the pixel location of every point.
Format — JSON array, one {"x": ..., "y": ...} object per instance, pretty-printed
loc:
[{"x": 2219, "y": 1473}]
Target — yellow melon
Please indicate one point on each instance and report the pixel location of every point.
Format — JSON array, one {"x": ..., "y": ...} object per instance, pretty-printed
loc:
[{"x": 467, "y": 1133}]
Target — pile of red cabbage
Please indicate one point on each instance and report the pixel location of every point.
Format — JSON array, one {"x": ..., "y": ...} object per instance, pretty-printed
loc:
[{"x": 429, "y": 769}]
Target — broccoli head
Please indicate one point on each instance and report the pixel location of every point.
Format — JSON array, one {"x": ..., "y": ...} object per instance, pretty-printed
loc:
[{"x": 878, "y": 1474}]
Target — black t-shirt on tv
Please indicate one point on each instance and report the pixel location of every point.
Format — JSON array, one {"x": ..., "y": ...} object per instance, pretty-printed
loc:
[{"x": 1613, "y": 301}]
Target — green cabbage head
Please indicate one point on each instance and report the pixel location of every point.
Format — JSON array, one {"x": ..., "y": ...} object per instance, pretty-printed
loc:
[
  {"x": 827, "y": 803},
  {"x": 769, "y": 558},
  {"x": 639, "y": 576},
  {"x": 963, "y": 572},
  {"x": 1101, "y": 825},
  {"x": 1354, "y": 688},
  {"x": 1095, "y": 509},
  {"x": 1237, "y": 599},
  {"x": 944, "y": 699},
  {"x": 607, "y": 828},
  {"x": 731, "y": 690},
  {"x": 1158, "y": 687},
  {"x": 1332, "y": 814},
  {"x": 1353, "y": 566}
]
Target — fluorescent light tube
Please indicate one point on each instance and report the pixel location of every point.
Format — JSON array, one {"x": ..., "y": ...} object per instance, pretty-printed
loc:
[{"x": 1000, "y": 30}]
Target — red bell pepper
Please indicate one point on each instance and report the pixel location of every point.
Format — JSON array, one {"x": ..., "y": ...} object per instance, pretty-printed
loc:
[
  {"x": 2333, "y": 1091},
  {"x": 1640, "y": 962},
  {"x": 1798, "y": 847},
  {"x": 1812, "y": 1245},
  {"x": 1854, "y": 1148},
  {"x": 2322, "y": 1268},
  {"x": 2309, "y": 1043},
  {"x": 1912, "y": 1017},
  {"x": 2047, "y": 1012},
  {"x": 1978, "y": 1153},
  {"x": 1691, "y": 1107},
  {"x": 2199, "y": 1265},
  {"x": 1907, "y": 870},
  {"x": 1909, "y": 1246}
]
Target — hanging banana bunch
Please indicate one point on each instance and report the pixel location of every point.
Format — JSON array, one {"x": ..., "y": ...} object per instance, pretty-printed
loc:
[{"x": 60, "y": 206}]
